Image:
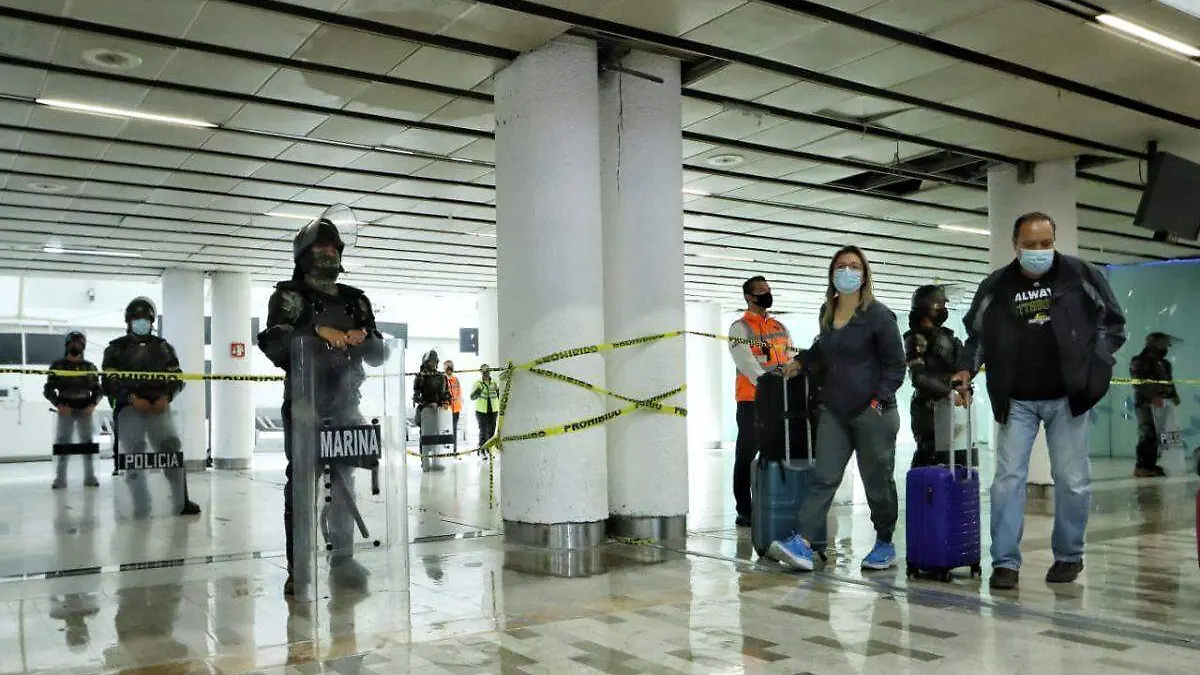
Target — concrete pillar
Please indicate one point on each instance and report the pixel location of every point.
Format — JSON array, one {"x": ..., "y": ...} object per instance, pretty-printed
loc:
[
  {"x": 706, "y": 386},
  {"x": 183, "y": 326},
  {"x": 642, "y": 188},
  {"x": 232, "y": 402},
  {"x": 551, "y": 291},
  {"x": 1051, "y": 190},
  {"x": 489, "y": 328}
]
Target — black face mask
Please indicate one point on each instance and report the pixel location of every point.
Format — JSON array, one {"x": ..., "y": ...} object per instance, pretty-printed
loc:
[
  {"x": 75, "y": 350},
  {"x": 764, "y": 300},
  {"x": 940, "y": 315}
]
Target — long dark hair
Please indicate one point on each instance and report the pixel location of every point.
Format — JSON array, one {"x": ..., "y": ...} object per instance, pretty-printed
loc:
[{"x": 866, "y": 293}]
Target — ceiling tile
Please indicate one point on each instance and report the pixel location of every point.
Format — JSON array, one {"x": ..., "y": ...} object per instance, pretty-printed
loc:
[
  {"x": 164, "y": 102},
  {"x": 806, "y": 97},
  {"x": 74, "y": 46},
  {"x": 504, "y": 28},
  {"x": 483, "y": 149},
  {"x": 28, "y": 40},
  {"x": 736, "y": 124},
  {"x": 743, "y": 82},
  {"x": 923, "y": 16},
  {"x": 272, "y": 118},
  {"x": 466, "y": 113},
  {"x": 431, "y": 141},
  {"x": 262, "y": 146},
  {"x": 123, "y": 152},
  {"x": 391, "y": 162},
  {"x": 828, "y": 47},
  {"x": 355, "y": 182},
  {"x": 166, "y": 18},
  {"x": 292, "y": 174},
  {"x": 321, "y": 154},
  {"x": 452, "y": 69},
  {"x": 313, "y": 88},
  {"x": 673, "y": 17},
  {"x": 93, "y": 91},
  {"x": 217, "y": 72},
  {"x": 453, "y": 171},
  {"x": 354, "y": 49},
  {"x": 753, "y": 28},
  {"x": 222, "y": 165},
  {"x": 396, "y": 101},
  {"x": 427, "y": 16},
  {"x": 237, "y": 26},
  {"x": 349, "y": 130}
]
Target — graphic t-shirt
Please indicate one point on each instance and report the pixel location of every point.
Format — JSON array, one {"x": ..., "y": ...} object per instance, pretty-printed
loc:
[{"x": 1039, "y": 371}]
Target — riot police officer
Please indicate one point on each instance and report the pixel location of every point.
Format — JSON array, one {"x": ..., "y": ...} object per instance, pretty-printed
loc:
[
  {"x": 313, "y": 303},
  {"x": 74, "y": 398},
  {"x": 1156, "y": 388},
  {"x": 141, "y": 404},
  {"x": 932, "y": 352},
  {"x": 431, "y": 388}
]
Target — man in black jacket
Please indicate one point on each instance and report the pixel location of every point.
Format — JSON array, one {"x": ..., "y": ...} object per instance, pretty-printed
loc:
[
  {"x": 74, "y": 398},
  {"x": 932, "y": 352},
  {"x": 1157, "y": 388},
  {"x": 1046, "y": 328}
]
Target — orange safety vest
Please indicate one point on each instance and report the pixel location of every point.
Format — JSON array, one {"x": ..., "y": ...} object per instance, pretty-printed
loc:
[
  {"x": 763, "y": 329},
  {"x": 455, "y": 394}
]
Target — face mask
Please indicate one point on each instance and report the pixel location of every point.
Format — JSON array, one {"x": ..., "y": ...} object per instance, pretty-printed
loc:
[
  {"x": 941, "y": 315},
  {"x": 1036, "y": 263},
  {"x": 847, "y": 281},
  {"x": 326, "y": 264},
  {"x": 140, "y": 326},
  {"x": 75, "y": 350},
  {"x": 764, "y": 300}
]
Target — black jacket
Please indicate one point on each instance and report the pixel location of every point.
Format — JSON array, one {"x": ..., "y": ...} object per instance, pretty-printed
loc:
[
  {"x": 145, "y": 354},
  {"x": 1088, "y": 324},
  {"x": 76, "y": 391},
  {"x": 1149, "y": 365},
  {"x": 933, "y": 355},
  {"x": 860, "y": 362}
]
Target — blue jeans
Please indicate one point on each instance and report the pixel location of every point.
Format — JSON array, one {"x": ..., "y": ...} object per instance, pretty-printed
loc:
[{"x": 1070, "y": 467}]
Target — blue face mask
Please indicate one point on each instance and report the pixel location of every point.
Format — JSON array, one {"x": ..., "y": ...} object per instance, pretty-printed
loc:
[
  {"x": 847, "y": 281},
  {"x": 141, "y": 326},
  {"x": 1036, "y": 263}
]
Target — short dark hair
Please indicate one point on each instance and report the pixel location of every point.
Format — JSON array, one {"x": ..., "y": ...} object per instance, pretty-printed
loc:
[
  {"x": 1032, "y": 217},
  {"x": 748, "y": 285}
]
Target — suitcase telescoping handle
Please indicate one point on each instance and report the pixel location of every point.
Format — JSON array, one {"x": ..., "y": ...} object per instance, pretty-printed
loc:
[
  {"x": 972, "y": 449},
  {"x": 787, "y": 423}
]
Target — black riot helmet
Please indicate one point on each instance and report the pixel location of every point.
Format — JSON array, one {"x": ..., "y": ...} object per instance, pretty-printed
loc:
[
  {"x": 336, "y": 226},
  {"x": 430, "y": 358},
  {"x": 924, "y": 300},
  {"x": 140, "y": 308},
  {"x": 1161, "y": 342},
  {"x": 76, "y": 337}
]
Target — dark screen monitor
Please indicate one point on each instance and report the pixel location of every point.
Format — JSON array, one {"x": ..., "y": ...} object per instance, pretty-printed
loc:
[
  {"x": 10, "y": 349},
  {"x": 43, "y": 349},
  {"x": 1171, "y": 201}
]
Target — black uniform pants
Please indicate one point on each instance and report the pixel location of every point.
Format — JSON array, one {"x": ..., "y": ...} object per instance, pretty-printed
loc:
[
  {"x": 1147, "y": 447},
  {"x": 487, "y": 426},
  {"x": 745, "y": 451},
  {"x": 921, "y": 418}
]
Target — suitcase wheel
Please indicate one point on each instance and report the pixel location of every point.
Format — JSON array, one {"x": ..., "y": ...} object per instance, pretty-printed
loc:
[
  {"x": 912, "y": 571},
  {"x": 944, "y": 576},
  {"x": 976, "y": 570},
  {"x": 762, "y": 552}
]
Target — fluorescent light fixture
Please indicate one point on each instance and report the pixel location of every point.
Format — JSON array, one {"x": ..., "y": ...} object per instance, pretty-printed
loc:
[
  {"x": 90, "y": 109},
  {"x": 1148, "y": 35},
  {"x": 105, "y": 254},
  {"x": 484, "y": 234},
  {"x": 724, "y": 257},
  {"x": 289, "y": 216},
  {"x": 967, "y": 230},
  {"x": 698, "y": 193}
]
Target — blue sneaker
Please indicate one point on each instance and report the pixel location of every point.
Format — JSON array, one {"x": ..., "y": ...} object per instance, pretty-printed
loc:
[
  {"x": 882, "y": 557},
  {"x": 794, "y": 552}
]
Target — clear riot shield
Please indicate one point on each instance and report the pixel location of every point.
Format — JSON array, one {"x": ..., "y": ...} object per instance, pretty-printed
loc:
[
  {"x": 437, "y": 436},
  {"x": 349, "y": 513},
  {"x": 153, "y": 481}
]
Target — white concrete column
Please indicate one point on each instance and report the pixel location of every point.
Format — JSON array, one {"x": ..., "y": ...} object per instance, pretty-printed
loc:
[
  {"x": 551, "y": 290},
  {"x": 704, "y": 375},
  {"x": 183, "y": 326},
  {"x": 642, "y": 187},
  {"x": 232, "y": 349},
  {"x": 1051, "y": 190},
  {"x": 489, "y": 327}
]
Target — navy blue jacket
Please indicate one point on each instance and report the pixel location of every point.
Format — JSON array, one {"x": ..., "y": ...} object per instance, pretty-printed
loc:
[{"x": 861, "y": 362}]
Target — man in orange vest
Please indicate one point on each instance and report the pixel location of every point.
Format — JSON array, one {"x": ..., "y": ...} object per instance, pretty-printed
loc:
[
  {"x": 771, "y": 347},
  {"x": 455, "y": 398}
]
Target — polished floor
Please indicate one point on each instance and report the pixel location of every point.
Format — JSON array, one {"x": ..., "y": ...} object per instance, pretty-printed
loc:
[{"x": 86, "y": 589}]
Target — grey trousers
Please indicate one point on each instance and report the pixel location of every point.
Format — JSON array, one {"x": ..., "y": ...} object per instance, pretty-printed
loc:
[
  {"x": 73, "y": 428},
  {"x": 135, "y": 432},
  {"x": 871, "y": 436}
]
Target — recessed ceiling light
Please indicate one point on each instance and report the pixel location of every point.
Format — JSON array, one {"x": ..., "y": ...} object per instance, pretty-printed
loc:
[
  {"x": 1148, "y": 35},
  {"x": 725, "y": 160},
  {"x": 46, "y": 186},
  {"x": 75, "y": 251},
  {"x": 89, "y": 109},
  {"x": 114, "y": 59},
  {"x": 967, "y": 230}
]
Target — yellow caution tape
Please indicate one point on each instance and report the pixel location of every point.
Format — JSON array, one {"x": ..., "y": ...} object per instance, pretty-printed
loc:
[{"x": 144, "y": 375}]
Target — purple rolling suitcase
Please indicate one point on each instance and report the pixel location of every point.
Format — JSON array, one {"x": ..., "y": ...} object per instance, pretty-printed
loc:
[{"x": 942, "y": 519}]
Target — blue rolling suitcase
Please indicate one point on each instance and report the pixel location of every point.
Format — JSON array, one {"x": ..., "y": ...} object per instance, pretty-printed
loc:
[
  {"x": 778, "y": 485},
  {"x": 942, "y": 519}
]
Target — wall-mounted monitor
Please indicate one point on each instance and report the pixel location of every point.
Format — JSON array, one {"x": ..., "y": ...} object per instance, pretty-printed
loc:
[{"x": 1171, "y": 201}]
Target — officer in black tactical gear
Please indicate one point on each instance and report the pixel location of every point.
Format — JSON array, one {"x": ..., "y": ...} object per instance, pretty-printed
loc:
[
  {"x": 313, "y": 303},
  {"x": 1152, "y": 367},
  {"x": 141, "y": 404},
  {"x": 430, "y": 387},
  {"x": 74, "y": 398},
  {"x": 932, "y": 352}
]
